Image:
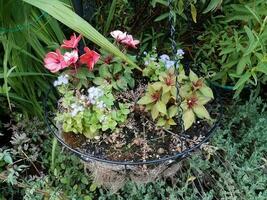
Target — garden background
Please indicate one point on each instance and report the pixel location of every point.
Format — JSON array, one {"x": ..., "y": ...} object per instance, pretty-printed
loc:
[{"x": 225, "y": 41}]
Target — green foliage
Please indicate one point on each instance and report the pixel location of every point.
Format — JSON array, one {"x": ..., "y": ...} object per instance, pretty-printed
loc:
[
  {"x": 23, "y": 80},
  {"x": 195, "y": 94},
  {"x": 160, "y": 99},
  {"x": 115, "y": 72},
  {"x": 88, "y": 115},
  {"x": 232, "y": 166},
  {"x": 236, "y": 54},
  {"x": 153, "y": 67}
]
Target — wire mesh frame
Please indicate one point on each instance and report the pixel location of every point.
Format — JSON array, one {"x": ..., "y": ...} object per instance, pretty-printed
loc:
[{"x": 89, "y": 158}]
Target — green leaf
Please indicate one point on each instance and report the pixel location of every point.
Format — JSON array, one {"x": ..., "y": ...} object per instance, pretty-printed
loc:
[
  {"x": 104, "y": 72},
  {"x": 262, "y": 68},
  {"x": 145, "y": 100},
  {"x": 192, "y": 76},
  {"x": 122, "y": 83},
  {"x": 171, "y": 122},
  {"x": 201, "y": 112},
  {"x": 161, "y": 107},
  {"x": 161, "y": 17},
  {"x": 188, "y": 118},
  {"x": 154, "y": 112},
  {"x": 161, "y": 122},
  {"x": 194, "y": 13},
  {"x": 244, "y": 61},
  {"x": 172, "y": 111},
  {"x": 206, "y": 91},
  {"x": 243, "y": 79},
  {"x": 252, "y": 43},
  {"x": 117, "y": 68},
  {"x": 166, "y": 98},
  {"x": 99, "y": 81},
  {"x": 212, "y": 5}
]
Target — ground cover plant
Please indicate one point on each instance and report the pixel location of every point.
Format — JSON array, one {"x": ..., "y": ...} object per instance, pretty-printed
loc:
[{"x": 231, "y": 166}]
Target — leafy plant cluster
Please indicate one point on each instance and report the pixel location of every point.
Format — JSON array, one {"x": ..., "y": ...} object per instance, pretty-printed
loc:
[
  {"x": 160, "y": 98},
  {"x": 115, "y": 72},
  {"x": 25, "y": 176},
  {"x": 90, "y": 113},
  {"x": 234, "y": 46}
]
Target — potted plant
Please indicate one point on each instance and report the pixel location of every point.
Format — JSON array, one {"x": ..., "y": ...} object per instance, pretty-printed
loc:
[{"x": 118, "y": 115}]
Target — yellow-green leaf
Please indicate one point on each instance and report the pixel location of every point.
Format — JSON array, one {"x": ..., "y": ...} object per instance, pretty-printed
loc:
[
  {"x": 194, "y": 13},
  {"x": 166, "y": 98},
  {"x": 206, "y": 91},
  {"x": 161, "y": 107},
  {"x": 201, "y": 112},
  {"x": 145, "y": 100},
  {"x": 171, "y": 122},
  {"x": 154, "y": 112},
  {"x": 172, "y": 111},
  {"x": 161, "y": 122},
  {"x": 188, "y": 118}
]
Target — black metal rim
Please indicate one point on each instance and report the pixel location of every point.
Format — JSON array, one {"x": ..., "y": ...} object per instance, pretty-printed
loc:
[{"x": 89, "y": 158}]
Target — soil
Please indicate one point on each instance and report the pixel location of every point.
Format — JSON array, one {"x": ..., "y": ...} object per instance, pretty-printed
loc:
[{"x": 138, "y": 139}]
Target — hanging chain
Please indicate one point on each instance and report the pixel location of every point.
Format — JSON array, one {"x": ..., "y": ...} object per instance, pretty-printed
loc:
[{"x": 176, "y": 58}]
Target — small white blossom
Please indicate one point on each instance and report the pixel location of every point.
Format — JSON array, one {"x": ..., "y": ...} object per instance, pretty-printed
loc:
[
  {"x": 103, "y": 119},
  {"x": 101, "y": 105},
  {"x": 164, "y": 57},
  {"x": 76, "y": 109},
  {"x": 169, "y": 64},
  {"x": 61, "y": 80},
  {"x": 145, "y": 53},
  {"x": 180, "y": 52},
  {"x": 94, "y": 94}
]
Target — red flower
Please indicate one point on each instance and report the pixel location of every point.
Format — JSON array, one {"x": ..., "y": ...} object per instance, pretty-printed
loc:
[
  {"x": 54, "y": 61},
  {"x": 72, "y": 43},
  {"x": 89, "y": 58}
]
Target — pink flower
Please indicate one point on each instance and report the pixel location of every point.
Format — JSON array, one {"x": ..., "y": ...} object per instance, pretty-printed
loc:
[
  {"x": 130, "y": 42},
  {"x": 72, "y": 43},
  {"x": 89, "y": 58},
  {"x": 118, "y": 35},
  {"x": 54, "y": 61},
  {"x": 124, "y": 38},
  {"x": 71, "y": 57}
]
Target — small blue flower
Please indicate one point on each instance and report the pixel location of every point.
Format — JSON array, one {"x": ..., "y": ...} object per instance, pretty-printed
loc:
[
  {"x": 61, "y": 80},
  {"x": 164, "y": 57},
  {"x": 180, "y": 52},
  {"x": 169, "y": 64}
]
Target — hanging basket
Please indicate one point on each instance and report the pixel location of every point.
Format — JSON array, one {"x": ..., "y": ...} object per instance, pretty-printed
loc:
[{"x": 169, "y": 149}]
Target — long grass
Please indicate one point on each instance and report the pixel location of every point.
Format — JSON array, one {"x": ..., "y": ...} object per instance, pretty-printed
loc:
[
  {"x": 24, "y": 42},
  {"x": 65, "y": 15}
]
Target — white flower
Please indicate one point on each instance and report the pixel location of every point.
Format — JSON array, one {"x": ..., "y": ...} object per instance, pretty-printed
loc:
[
  {"x": 103, "y": 119},
  {"x": 180, "y": 52},
  {"x": 94, "y": 94},
  {"x": 101, "y": 105},
  {"x": 76, "y": 109},
  {"x": 61, "y": 80},
  {"x": 145, "y": 53},
  {"x": 164, "y": 57},
  {"x": 169, "y": 64}
]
